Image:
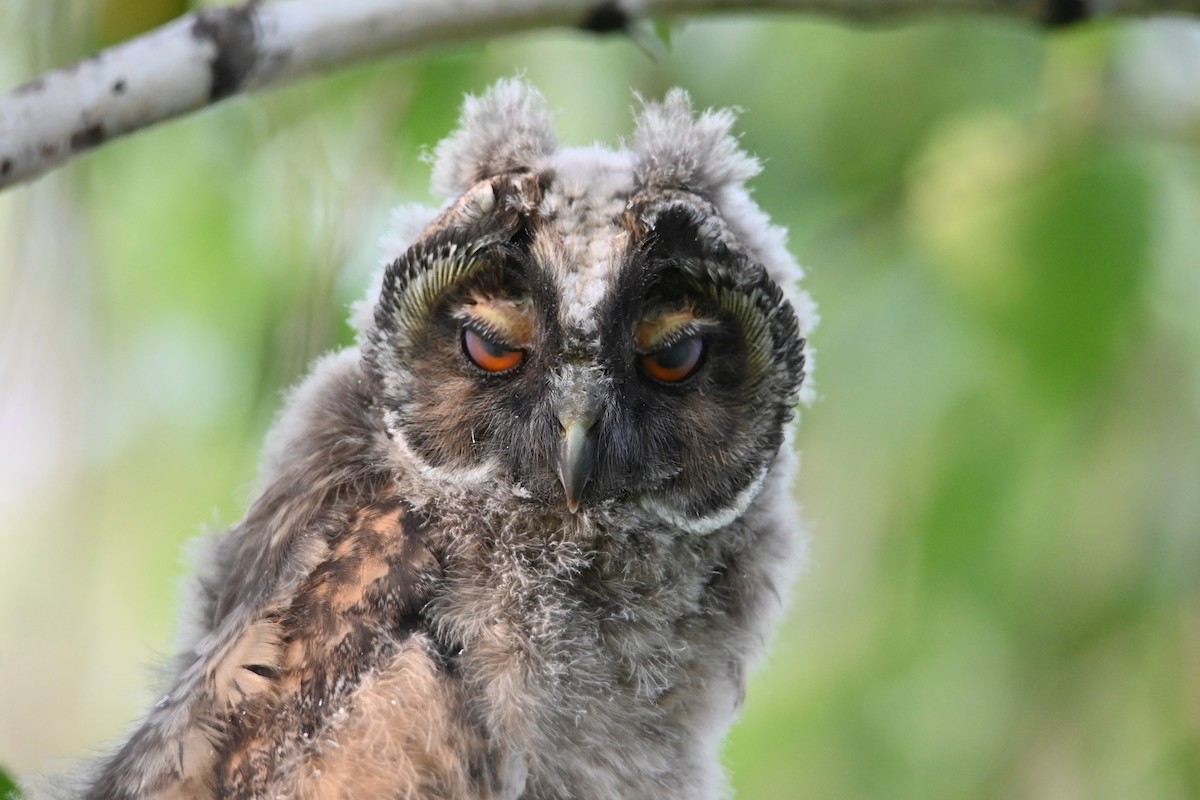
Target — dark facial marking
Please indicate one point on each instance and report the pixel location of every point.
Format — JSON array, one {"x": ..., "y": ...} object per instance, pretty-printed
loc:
[{"x": 698, "y": 416}]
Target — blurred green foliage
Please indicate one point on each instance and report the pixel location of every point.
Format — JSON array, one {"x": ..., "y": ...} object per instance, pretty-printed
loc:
[
  {"x": 1002, "y": 472},
  {"x": 7, "y": 787}
]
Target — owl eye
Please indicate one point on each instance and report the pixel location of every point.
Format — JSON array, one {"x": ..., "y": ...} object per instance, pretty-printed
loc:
[
  {"x": 676, "y": 362},
  {"x": 488, "y": 354}
]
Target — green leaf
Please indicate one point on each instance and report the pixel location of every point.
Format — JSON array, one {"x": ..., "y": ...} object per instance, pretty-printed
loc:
[
  {"x": 8, "y": 786},
  {"x": 119, "y": 20},
  {"x": 664, "y": 29}
]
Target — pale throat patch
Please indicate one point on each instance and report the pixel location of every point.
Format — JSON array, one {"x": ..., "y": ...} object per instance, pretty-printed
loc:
[{"x": 710, "y": 522}]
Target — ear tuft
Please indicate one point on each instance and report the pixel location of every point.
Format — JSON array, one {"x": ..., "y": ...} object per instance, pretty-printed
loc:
[
  {"x": 678, "y": 150},
  {"x": 507, "y": 128}
]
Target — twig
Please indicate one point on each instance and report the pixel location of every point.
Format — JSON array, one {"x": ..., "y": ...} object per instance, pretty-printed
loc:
[{"x": 205, "y": 57}]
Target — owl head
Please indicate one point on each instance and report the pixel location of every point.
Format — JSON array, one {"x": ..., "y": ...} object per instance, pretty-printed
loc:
[{"x": 591, "y": 328}]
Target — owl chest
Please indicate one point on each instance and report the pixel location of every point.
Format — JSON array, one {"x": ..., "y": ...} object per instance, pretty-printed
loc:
[{"x": 596, "y": 678}]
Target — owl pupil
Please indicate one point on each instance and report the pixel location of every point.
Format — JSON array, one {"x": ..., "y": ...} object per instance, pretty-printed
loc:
[
  {"x": 492, "y": 349},
  {"x": 677, "y": 355}
]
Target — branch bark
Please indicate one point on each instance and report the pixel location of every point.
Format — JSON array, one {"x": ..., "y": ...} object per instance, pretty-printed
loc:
[{"x": 202, "y": 58}]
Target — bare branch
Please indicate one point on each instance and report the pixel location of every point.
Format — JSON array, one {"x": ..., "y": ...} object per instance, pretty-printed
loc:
[{"x": 205, "y": 57}]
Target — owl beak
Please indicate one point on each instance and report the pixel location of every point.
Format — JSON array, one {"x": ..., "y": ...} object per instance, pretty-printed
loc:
[{"x": 575, "y": 455}]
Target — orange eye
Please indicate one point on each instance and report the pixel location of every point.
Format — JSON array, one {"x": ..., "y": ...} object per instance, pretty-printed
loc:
[
  {"x": 489, "y": 355},
  {"x": 677, "y": 362}
]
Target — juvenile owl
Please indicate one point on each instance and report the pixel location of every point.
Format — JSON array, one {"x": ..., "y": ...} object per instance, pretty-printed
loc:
[{"x": 525, "y": 539}]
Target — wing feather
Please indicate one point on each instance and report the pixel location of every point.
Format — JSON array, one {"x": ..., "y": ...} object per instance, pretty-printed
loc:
[{"x": 316, "y": 644}]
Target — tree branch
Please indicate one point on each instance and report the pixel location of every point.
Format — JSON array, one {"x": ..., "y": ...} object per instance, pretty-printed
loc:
[{"x": 204, "y": 57}]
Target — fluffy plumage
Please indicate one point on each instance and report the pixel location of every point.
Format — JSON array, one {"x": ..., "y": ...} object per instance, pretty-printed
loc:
[{"x": 542, "y": 581}]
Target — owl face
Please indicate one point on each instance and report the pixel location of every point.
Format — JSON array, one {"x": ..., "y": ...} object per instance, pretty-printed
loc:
[{"x": 590, "y": 339}]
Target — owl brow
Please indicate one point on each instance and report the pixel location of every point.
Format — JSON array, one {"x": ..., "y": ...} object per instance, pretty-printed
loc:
[
  {"x": 414, "y": 281},
  {"x": 664, "y": 328},
  {"x": 509, "y": 319}
]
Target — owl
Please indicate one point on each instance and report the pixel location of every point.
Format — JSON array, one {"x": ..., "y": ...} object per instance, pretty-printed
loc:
[{"x": 525, "y": 538}]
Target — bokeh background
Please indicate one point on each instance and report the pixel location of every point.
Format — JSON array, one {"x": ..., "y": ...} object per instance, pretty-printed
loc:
[{"x": 1001, "y": 474}]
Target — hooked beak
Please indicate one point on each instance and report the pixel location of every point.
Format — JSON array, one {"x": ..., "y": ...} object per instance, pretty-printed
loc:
[{"x": 576, "y": 453}]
